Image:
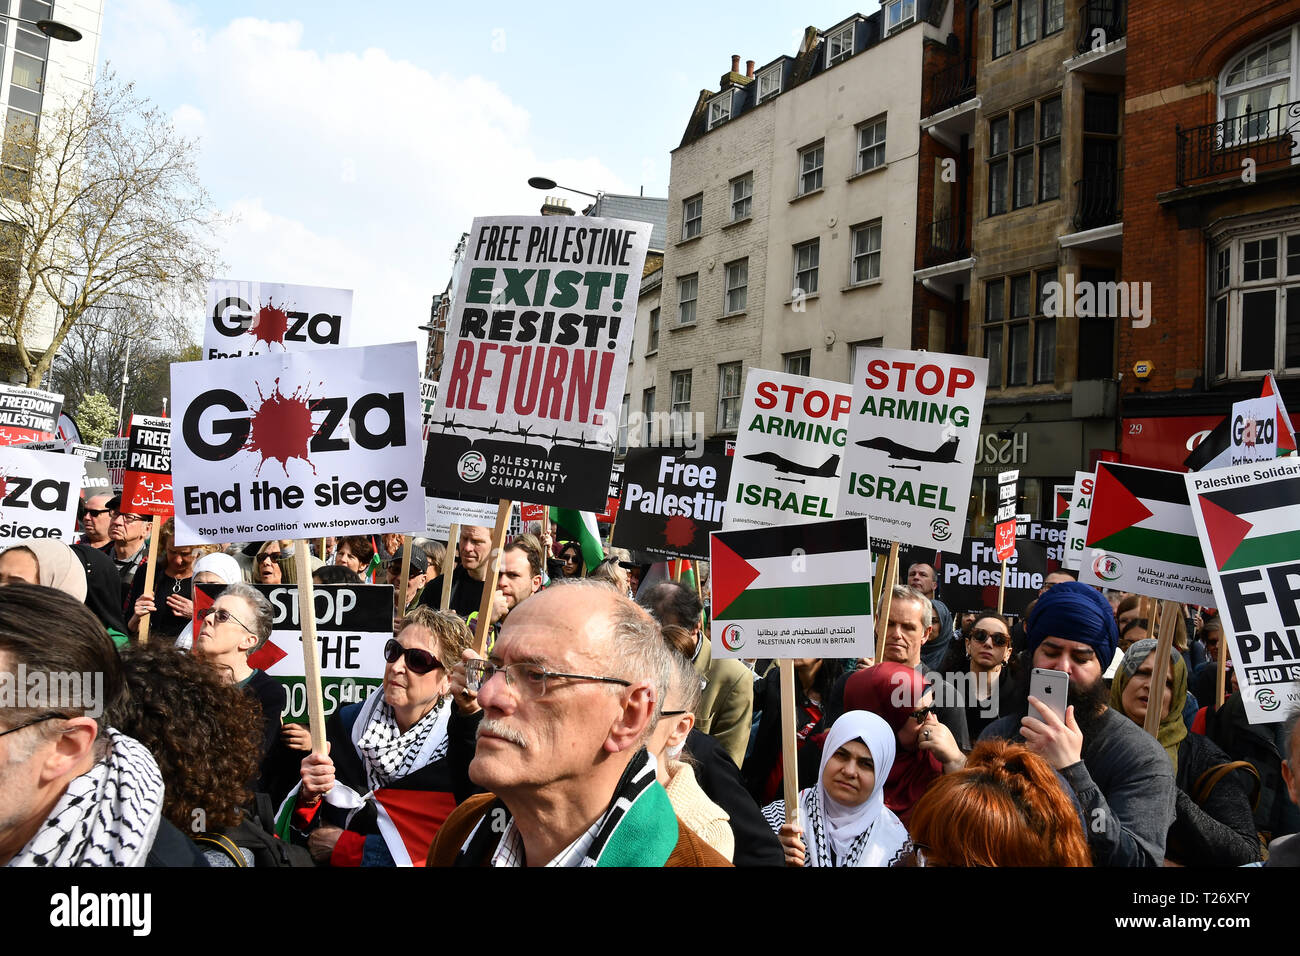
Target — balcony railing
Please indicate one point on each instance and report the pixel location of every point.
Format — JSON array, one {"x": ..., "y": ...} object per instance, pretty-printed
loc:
[
  {"x": 952, "y": 85},
  {"x": 1218, "y": 150},
  {"x": 1108, "y": 16},
  {"x": 1097, "y": 197},
  {"x": 946, "y": 240}
]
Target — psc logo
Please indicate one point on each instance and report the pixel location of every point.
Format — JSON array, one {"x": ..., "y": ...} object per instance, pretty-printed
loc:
[
  {"x": 733, "y": 638},
  {"x": 1267, "y": 699},
  {"x": 471, "y": 466},
  {"x": 1107, "y": 566},
  {"x": 940, "y": 529}
]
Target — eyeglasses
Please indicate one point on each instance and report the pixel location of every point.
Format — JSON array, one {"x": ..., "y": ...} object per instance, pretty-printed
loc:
[
  {"x": 96, "y": 512},
  {"x": 268, "y": 556},
  {"x": 920, "y": 715},
  {"x": 673, "y": 713},
  {"x": 31, "y": 722},
  {"x": 527, "y": 680},
  {"x": 128, "y": 518},
  {"x": 983, "y": 637},
  {"x": 418, "y": 660},
  {"x": 222, "y": 616}
]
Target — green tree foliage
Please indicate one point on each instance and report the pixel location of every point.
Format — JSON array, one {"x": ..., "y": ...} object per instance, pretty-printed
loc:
[{"x": 96, "y": 418}]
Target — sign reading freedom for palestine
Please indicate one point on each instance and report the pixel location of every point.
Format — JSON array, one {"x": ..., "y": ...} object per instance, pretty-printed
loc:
[
  {"x": 147, "y": 481},
  {"x": 536, "y": 359},
  {"x": 297, "y": 445},
  {"x": 256, "y": 318},
  {"x": 28, "y": 414}
]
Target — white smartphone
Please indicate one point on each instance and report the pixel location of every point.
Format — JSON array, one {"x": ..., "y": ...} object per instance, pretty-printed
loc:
[{"x": 1051, "y": 687}]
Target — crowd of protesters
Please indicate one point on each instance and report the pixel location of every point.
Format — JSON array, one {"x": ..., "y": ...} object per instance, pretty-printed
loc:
[{"x": 596, "y": 727}]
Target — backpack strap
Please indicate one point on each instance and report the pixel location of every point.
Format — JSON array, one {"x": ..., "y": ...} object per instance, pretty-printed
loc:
[
  {"x": 1211, "y": 778},
  {"x": 224, "y": 844}
]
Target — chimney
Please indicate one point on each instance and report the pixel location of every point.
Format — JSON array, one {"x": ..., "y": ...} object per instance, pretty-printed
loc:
[
  {"x": 749, "y": 68},
  {"x": 735, "y": 63}
]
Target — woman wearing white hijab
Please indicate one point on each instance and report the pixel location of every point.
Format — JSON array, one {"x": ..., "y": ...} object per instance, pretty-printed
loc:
[
  {"x": 215, "y": 568},
  {"x": 844, "y": 818}
]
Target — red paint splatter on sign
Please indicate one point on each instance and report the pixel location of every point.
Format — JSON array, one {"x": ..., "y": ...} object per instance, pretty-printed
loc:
[
  {"x": 281, "y": 427},
  {"x": 270, "y": 325},
  {"x": 679, "y": 531}
]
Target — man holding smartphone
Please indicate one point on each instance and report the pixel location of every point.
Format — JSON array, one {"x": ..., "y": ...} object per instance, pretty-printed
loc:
[{"x": 1120, "y": 775}]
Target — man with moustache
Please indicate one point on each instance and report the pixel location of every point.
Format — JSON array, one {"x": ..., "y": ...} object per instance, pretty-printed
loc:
[{"x": 1120, "y": 775}]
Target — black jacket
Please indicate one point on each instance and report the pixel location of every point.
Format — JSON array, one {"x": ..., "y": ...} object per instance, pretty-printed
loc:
[
  {"x": 171, "y": 847},
  {"x": 720, "y": 779},
  {"x": 466, "y": 593},
  {"x": 1221, "y": 832}
]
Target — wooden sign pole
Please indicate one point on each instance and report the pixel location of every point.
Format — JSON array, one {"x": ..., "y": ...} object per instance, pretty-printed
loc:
[
  {"x": 1002, "y": 586},
  {"x": 405, "y": 576},
  {"x": 1221, "y": 682},
  {"x": 490, "y": 579},
  {"x": 310, "y": 652},
  {"x": 789, "y": 745},
  {"x": 154, "y": 527},
  {"x": 449, "y": 565},
  {"x": 1172, "y": 612},
  {"x": 886, "y": 598}
]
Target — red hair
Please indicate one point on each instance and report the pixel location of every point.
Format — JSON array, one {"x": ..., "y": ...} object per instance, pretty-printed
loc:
[{"x": 1006, "y": 808}]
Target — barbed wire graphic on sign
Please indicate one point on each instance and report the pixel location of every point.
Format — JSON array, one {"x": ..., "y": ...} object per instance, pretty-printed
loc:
[{"x": 524, "y": 432}]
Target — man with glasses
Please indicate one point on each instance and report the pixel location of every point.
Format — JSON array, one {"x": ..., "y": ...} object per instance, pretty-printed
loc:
[
  {"x": 570, "y": 696},
  {"x": 128, "y": 542},
  {"x": 95, "y": 520}
]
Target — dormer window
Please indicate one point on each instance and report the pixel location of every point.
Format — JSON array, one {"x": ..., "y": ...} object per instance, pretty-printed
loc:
[
  {"x": 720, "y": 109},
  {"x": 839, "y": 45},
  {"x": 899, "y": 12},
  {"x": 769, "y": 84}
]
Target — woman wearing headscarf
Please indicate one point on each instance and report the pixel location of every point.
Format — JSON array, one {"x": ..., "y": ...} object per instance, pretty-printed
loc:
[
  {"x": 59, "y": 567},
  {"x": 843, "y": 819},
  {"x": 215, "y": 568},
  {"x": 1214, "y": 824}
]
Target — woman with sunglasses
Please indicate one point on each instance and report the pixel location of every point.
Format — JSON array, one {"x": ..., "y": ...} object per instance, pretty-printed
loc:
[
  {"x": 983, "y": 655},
  {"x": 266, "y": 565},
  {"x": 571, "y": 558},
  {"x": 387, "y": 784}
]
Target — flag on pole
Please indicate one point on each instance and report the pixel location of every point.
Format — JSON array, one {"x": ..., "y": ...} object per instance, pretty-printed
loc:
[
  {"x": 580, "y": 526},
  {"x": 1143, "y": 511}
]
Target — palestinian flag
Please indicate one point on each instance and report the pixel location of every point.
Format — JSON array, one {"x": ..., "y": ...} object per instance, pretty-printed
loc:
[
  {"x": 580, "y": 526},
  {"x": 1215, "y": 450},
  {"x": 792, "y": 571},
  {"x": 1253, "y": 525},
  {"x": 1143, "y": 512}
]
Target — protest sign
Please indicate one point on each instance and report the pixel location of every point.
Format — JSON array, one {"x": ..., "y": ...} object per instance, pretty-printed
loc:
[
  {"x": 1248, "y": 518},
  {"x": 970, "y": 579},
  {"x": 1077, "y": 526},
  {"x": 1216, "y": 449},
  {"x": 297, "y": 445},
  {"x": 912, "y": 444},
  {"x": 39, "y": 491},
  {"x": 530, "y": 513},
  {"x": 114, "y": 459},
  {"x": 1061, "y": 495},
  {"x": 441, "y": 513},
  {"x": 536, "y": 358},
  {"x": 428, "y": 395},
  {"x": 96, "y": 480},
  {"x": 671, "y": 503},
  {"x": 147, "y": 482},
  {"x": 1255, "y": 429},
  {"x": 28, "y": 414},
  {"x": 1141, "y": 536},
  {"x": 256, "y": 318},
  {"x": 613, "y": 495},
  {"x": 800, "y": 590},
  {"x": 792, "y": 433},
  {"x": 353, "y": 623}
]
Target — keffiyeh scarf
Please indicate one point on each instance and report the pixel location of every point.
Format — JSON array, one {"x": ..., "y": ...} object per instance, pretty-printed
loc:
[{"x": 389, "y": 754}]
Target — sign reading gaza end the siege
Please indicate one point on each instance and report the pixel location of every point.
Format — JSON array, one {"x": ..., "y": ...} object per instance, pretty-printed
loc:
[
  {"x": 297, "y": 445},
  {"x": 353, "y": 623},
  {"x": 255, "y": 318},
  {"x": 39, "y": 491},
  {"x": 786, "y": 466},
  {"x": 28, "y": 414},
  {"x": 536, "y": 358},
  {"x": 147, "y": 480},
  {"x": 1248, "y": 519},
  {"x": 911, "y": 449},
  {"x": 671, "y": 502}
]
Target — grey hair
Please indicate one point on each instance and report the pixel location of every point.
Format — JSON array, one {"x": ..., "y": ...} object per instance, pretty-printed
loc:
[
  {"x": 904, "y": 593},
  {"x": 263, "y": 613}
]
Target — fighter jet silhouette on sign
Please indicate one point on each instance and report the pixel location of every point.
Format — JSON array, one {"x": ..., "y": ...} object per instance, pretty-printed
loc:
[
  {"x": 785, "y": 466},
  {"x": 944, "y": 453}
]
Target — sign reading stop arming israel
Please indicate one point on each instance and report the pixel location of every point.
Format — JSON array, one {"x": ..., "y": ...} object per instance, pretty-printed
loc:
[
  {"x": 1248, "y": 517},
  {"x": 793, "y": 591}
]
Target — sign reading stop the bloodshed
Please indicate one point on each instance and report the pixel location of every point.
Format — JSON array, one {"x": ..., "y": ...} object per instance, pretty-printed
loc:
[
  {"x": 147, "y": 481},
  {"x": 255, "y": 318},
  {"x": 536, "y": 357},
  {"x": 912, "y": 443},
  {"x": 297, "y": 445}
]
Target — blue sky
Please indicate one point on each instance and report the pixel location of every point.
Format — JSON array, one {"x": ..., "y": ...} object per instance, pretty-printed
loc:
[{"x": 352, "y": 149}]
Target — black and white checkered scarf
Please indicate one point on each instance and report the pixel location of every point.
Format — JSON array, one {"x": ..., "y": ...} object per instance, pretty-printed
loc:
[{"x": 389, "y": 754}]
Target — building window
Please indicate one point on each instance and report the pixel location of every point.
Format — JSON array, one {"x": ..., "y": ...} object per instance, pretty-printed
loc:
[
  {"x": 652, "y": 340},
  {"x": 871, "y": 144},
  {"x": 1049, "y": 149},
  {"x": 648, "y": 416},
  {"x": 680, "y": 411},
  {"x": 742, "y": 197},
  {"x": 1022, "y": 164},
  {"x": 839, "y": 45},
  {"x": 1053, "y": 17},
  {"x": 1097, "y": 360},
  {"x": 1261, "y": 80},
  {"x": 720, "y": 109},
  {"x": 866, "y": 253},
  {"x": 797, "y": 363},
  {"x": 622, "y": 424},
  {"x": 737, "y": 287},
  {"x": 729, "y": 388},
  {"x": 769, "y": 84},
  {"x": 810, "y": 169},
  {"x": 999, "y": 141},
  {"x": 692, "y": 216},
  {"x": 806, "y": 258},
  {"x": 1027, "y": 22},
  {"x": 1001, "y": 30},
  {"x": 1019, "y": 339},
  {"x": 687, "y": 291},
  {"x": 899, "y": 12},
  {"x": 1255, "y": 307}
]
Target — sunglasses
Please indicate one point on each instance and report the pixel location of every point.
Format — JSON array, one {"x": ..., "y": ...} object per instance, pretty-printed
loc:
[
  {"x": 96, "y": 512},
  {"x": 983, "y": 637},
  {"x": 268, "y": 556},
  {"x": 418, "y": 660},
  {"x": 222, "y": 616}
]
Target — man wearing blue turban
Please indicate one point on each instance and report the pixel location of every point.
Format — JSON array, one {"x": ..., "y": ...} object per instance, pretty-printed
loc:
[{"x": 1120, "y": 775}]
